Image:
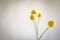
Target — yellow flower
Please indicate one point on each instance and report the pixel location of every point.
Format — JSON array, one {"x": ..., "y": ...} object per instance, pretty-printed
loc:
[
  {"x": 34, "y": 12},
  {"x": 33, "y": 17},
  {"x": 51, "y": 23},
  {"x": 39, "y": 15}
]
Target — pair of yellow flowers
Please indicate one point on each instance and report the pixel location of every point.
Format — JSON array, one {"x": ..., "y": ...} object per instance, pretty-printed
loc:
[{"x": 35, "y": 14}]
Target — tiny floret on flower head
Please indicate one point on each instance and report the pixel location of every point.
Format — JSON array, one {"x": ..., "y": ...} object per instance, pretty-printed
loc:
[
  {"x": 33, "y": 17},
  {"x": 34, "y": 12},
  {"x": 51, "y": 23},
  {"x": 39, "y": 15}
]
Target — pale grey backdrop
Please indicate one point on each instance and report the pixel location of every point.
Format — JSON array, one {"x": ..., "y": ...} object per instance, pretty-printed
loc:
[{"x": 16, "y": 25}]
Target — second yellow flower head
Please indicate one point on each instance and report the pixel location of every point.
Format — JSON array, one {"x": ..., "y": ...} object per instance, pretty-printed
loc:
[
  {"x": 34, "y": 12},
  {"x": 51, "y": 23},
  {"x": 33, "y": 17},
  {"x": 37, "y": 13}
]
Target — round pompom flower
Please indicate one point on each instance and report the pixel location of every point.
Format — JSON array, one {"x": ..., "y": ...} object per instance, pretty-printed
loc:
[
  {"x": 39, "y": 15},
  {"x": 51, "y": 23},
  {"x": 33, "y": 17},
  {"x": 34, "y": 12}
]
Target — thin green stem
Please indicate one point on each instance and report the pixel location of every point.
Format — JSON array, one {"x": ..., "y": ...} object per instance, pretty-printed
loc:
[
  {"x": 36, "y": 29},
  {"x": 36, "y": 25},
  {"x": 36, "y": 33},
  {"x": 38, "y": 21},
  {"x": 43, "y": 33}
]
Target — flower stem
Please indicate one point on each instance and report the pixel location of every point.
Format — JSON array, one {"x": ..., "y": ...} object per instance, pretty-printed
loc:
[
  {"x": 36, "y": 25},
  {"x": 36, "y": 29},
  {"x": 38, "y": 22},
  {"x": 37, "y": 33},
  {"x": 43, "y": 33}
]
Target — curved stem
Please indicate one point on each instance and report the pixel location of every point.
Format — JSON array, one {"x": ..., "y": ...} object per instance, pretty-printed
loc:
[{"x": 43, "y": 33}]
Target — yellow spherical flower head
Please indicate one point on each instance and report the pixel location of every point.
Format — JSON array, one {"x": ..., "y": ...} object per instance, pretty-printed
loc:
[
  {"x": 39, "y": 15},
  {"x": 51, "y": 23},
  {"x": 34, "y": 12},
  {"x": 33, "y": 17}
]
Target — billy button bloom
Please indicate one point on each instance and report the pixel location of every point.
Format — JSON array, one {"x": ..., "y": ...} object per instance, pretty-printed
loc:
[
  {"x": 51, "y": 23},
  {"x": 39, "y": 15},
  {"x": 34, "y": 12},
  {"x": 33, "y": 17}
]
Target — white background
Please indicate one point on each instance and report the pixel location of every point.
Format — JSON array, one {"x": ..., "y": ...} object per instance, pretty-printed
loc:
[{"x": 16, "y": 25}]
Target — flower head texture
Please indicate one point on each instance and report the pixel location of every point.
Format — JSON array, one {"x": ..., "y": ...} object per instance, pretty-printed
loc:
[
  {"x": 34, "y": 12},
  {"x": 51, "y": 23},
  {"x": 39, "y": 15},
  {"x": 33, "y": 17}
]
